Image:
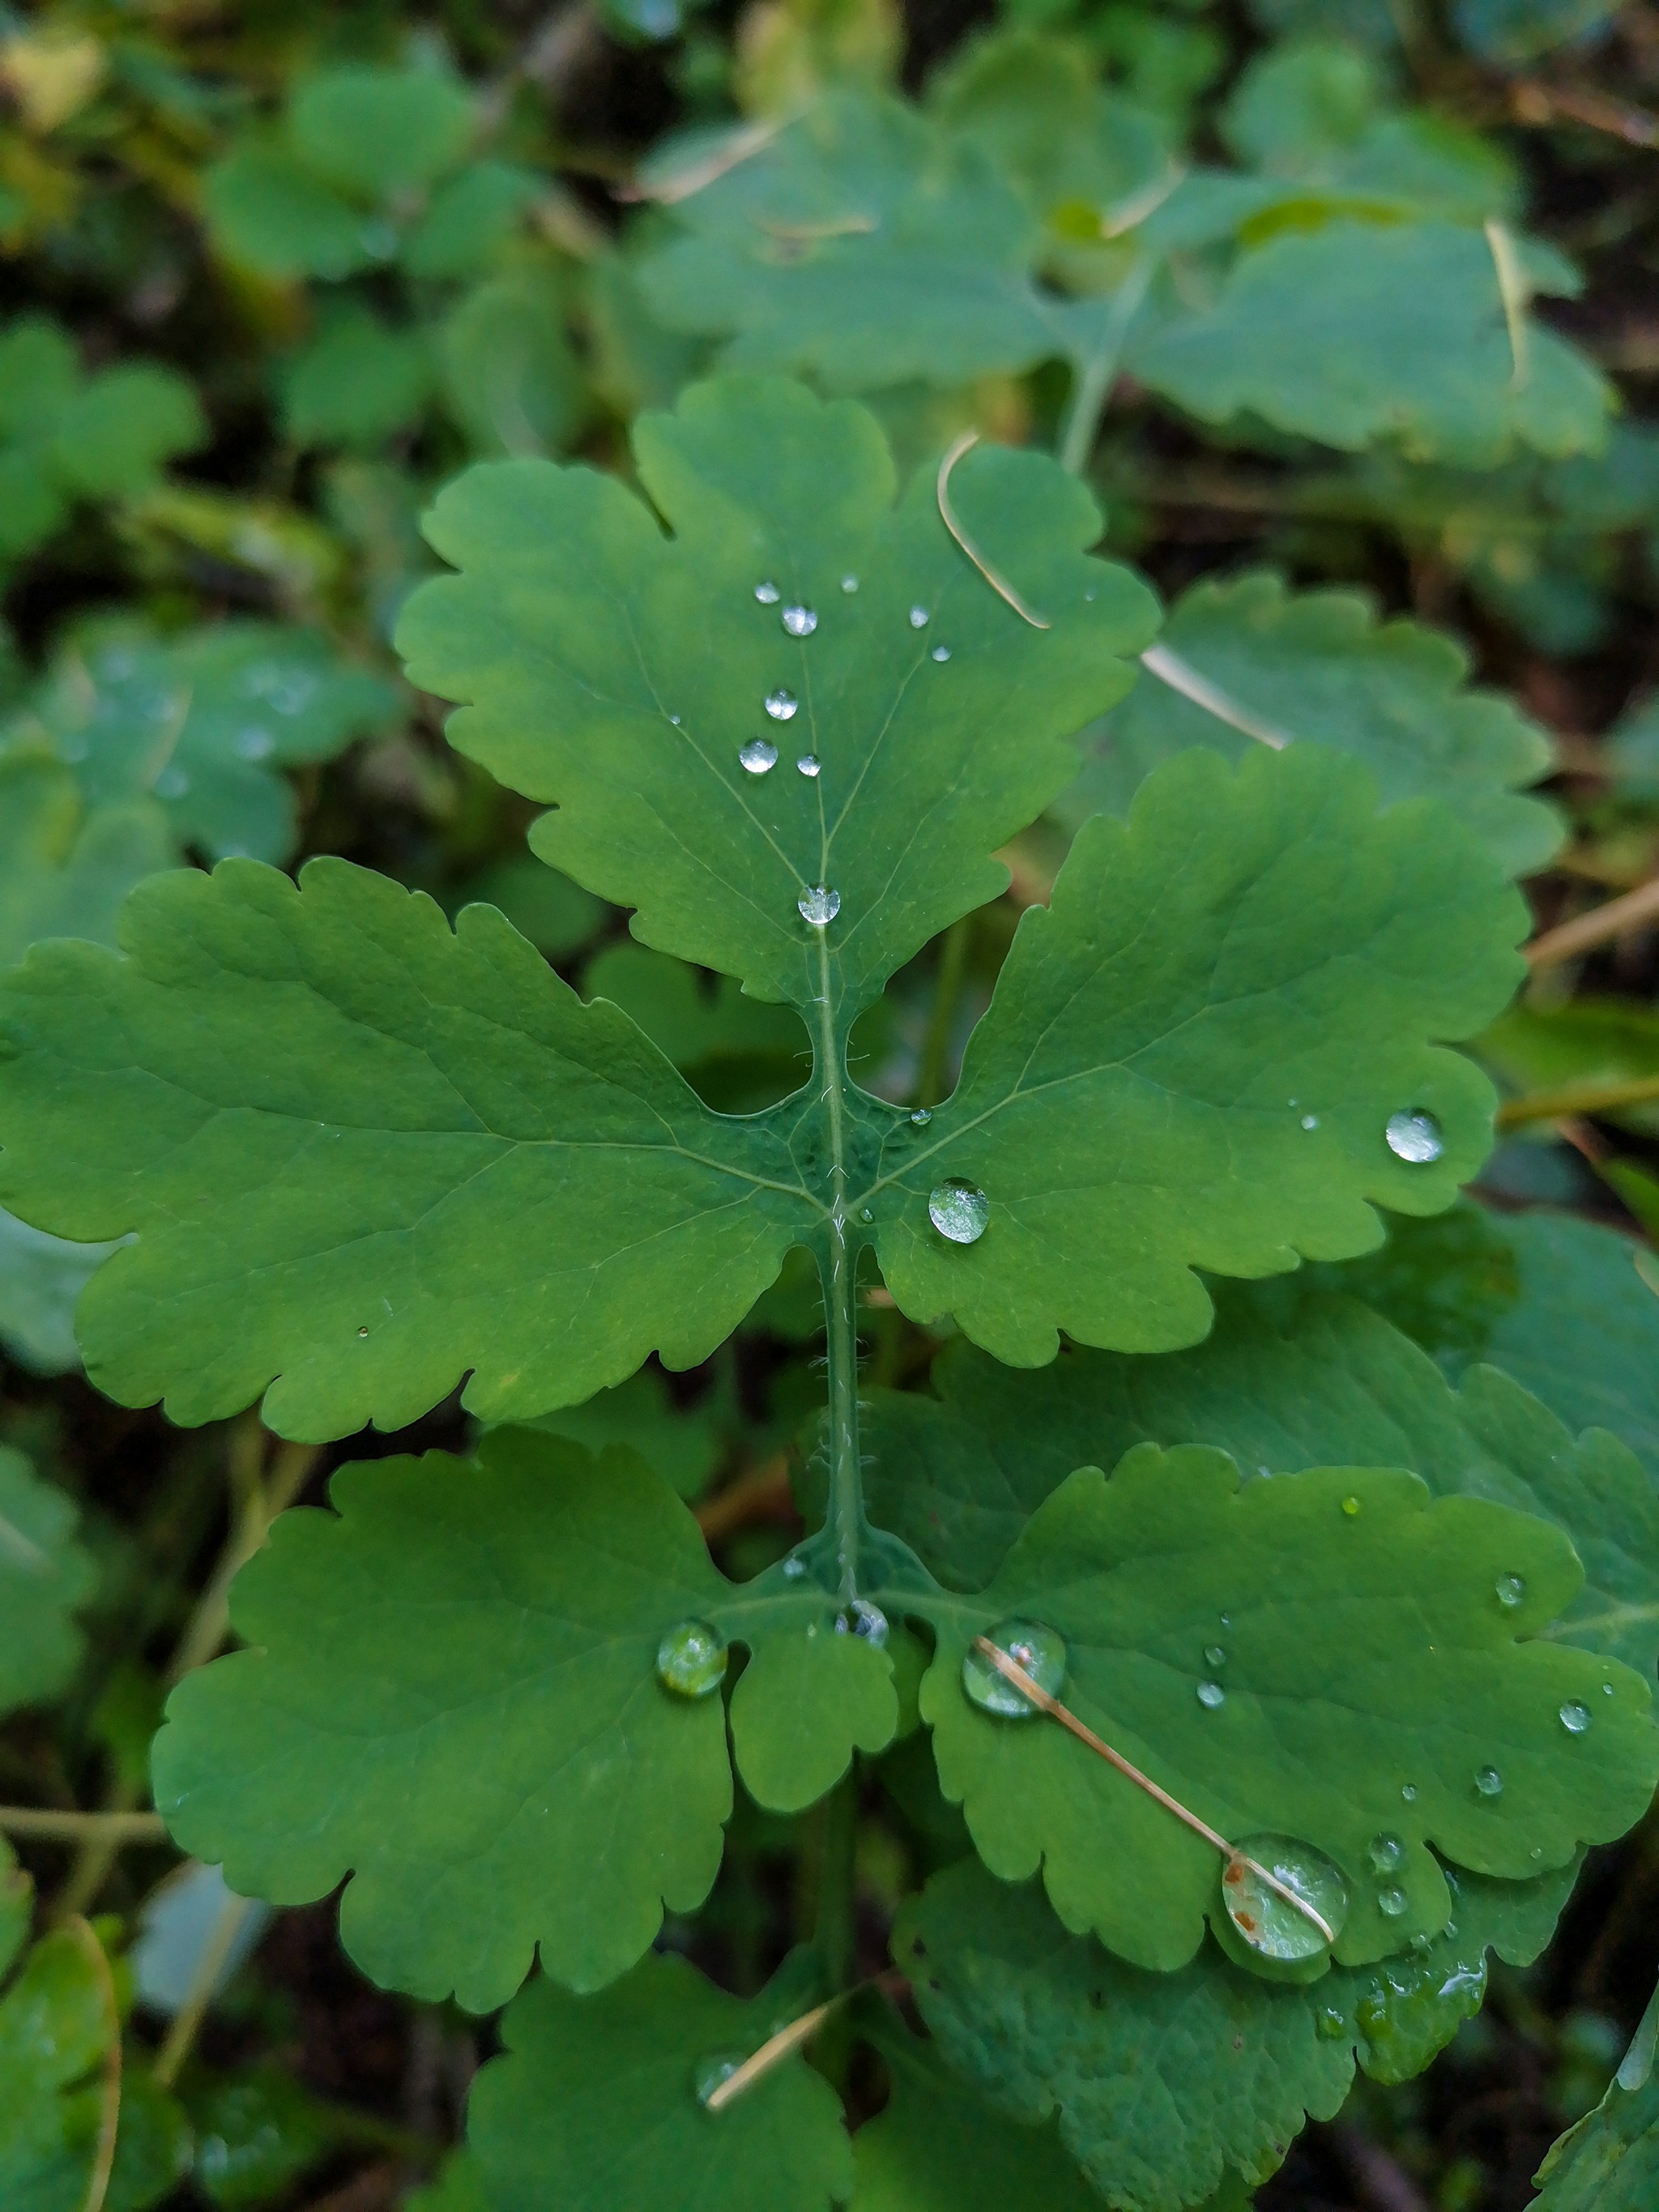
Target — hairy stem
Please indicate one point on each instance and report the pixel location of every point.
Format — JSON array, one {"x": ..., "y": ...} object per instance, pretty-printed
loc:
[{"x": 838, "y": 1268}]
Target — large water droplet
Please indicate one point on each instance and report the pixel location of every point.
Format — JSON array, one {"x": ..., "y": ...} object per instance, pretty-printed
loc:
[
  {"x": 1575, "y": 1717},
  {"x": 941, "y": 652},
  {"x": 1387, "y": 1854},
  {"x": 865, "y": 1619},
  {"x": 809, "y": 764},
  {"x": 1414, "y": 1136},
  {"x": 1211, "y": 1695},
  {"x": 691, "y": 1660},
  {"x": 959, "y": 1211},
  {"x": 759, "y": 755},
  {"x": 799, "y": 622},
  {"x": 1038, "y": 1650},
  {"x": 1489, "y": 1782},
  {"x": 1511, "y": 1589},
  {"x": 768, "y": 593},
  {"x": 819, "y": 905},
  {"x": 918, "y": 617},
  {"x": 1391, "y": 1902},
  {"x": 1270, "y": 1923},
  {"x": 709, "y": 2073},
  {"x": 921, "y": 1116},
  {"x": 1214, "y": 1656},
  {"x": 781, "y": 705}
]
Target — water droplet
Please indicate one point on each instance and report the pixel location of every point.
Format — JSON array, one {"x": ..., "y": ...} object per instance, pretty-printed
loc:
[
  {"x": 1214, "y": 1656},
  {"x": 1536, "y": 1852},
  {"x": 759, "y": 755},
  {"x": 918, "y": 617},
  {"x": 1226, "y": 1620},
  {"x": 867, "y": 1213},
  {"x": 1414, "y": 1136},
  {"x": 1606, "y": 1689},
  {"x": 1351, "y": 1506},
  {"x": 1408, "y": 1791},
  {"x": 799, "y": 622},
  {"x": 781, "y": 705},
  {"x": 172, "y": 783},
  {"x": 708, "y": 2073},
  {"x": 691, "y": 1660},
  {"x": 819, "y": 905},
  {"x": 1387, "y": 1854},
  {"x": 363, "y": 1331},
  {"x": 1511, "y": 1589},
  {"x": 1391, "y": 1902},
  {"x": 1038, "y": 1650},
  {"x": 1310, "y": 1121},
  {"x": 1211, "y": 1695},
  {"x": 941, "y": 652},
  {"x": 1333, "y": 2025},
  {"x": 793, "y": 1570},
  {"x": 865, "y": 1619},
  {"x": 1269, "y": 1923},
  {"x": 768, "y": 593},
  {"x": 959, "y": 1211},
  {"x": 921, "y": 1116},
  {"x": 1575, "y": 1717},
  {"x": 849, "y": 583},
  {"x": 254, "y": 744},
  {"x": 1489, "y": 1782},
  {"x": 809, "y": 764}
]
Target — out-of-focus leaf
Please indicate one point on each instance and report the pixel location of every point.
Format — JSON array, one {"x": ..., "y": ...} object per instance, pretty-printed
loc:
[
  {"x": 257, "y": 2131},
  {"x": 1610, "y": 2161},
  {"x": 356, "y": 382},
  {"x": 510, "y": 373},
  {"x": 1510, "y": 31},
  {"x": 682, "y": 1446},
  {"x": 65, "y": 866},
  {"x": 1591, "y": 1040},
  {"x": 42, "y": 1277},
  {"x": 44, "y": 1575}
]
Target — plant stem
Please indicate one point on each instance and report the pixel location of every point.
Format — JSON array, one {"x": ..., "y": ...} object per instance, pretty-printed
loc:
[
  {"x": 838, "y": 1268},
  {"x": 1094, "y": 375},
  {"x": 1576, "y": 1099},
  {"x": 187, "y": 2021},
  {"x": 947, "y": 991},
  {"x": 834, "y": 1936},
  {"x": 80, "y": 1827},
  {"x": 1634, "y": 910}
]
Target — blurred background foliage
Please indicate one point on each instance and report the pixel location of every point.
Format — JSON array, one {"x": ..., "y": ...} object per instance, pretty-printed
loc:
[{"x": 272, "y": 271}]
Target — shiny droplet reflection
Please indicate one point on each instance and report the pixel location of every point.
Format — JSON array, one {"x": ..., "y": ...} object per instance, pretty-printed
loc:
[
  {"x": 1489, "y": 1782},
  {"x": 809, "y": 764},
  {"x": 781, "y": 705},
  {"x": 767, "y": 594},
  {"x": 1211, "y": 1695},
  {"x": 759, "y": 755},
  {"x": 918, "y": 617},
  {"x": 959, "y": 1211},
  {"x": 1391, "y": 1902},
  {"x": 819, "y": 905},
  {"x": 1387, "y": 1854},
  {"x": 1270, "y": 1923},
  {"x": 862, "y": 1618},
  {"x": 1214, "y": 1657},
  {"x": 691, "y": 1660},
  {"x": 1414, "y": 1136},
  {"x": 709, "y": 2073},
  {"x": 1575, "y": 1717},
  {"x": 1038, "y": 1650},
  {"x": 1511, "y": 1589},
  {"x": 941, "y": 652},
  {"x": 799, "y": 622},
  {"x": 921, "y": 1116}
]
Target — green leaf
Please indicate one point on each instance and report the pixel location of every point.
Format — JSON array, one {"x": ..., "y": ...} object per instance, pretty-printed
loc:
[
  {"x": 44, "y": 1575},
  {"x": 862, "y": 242},
  {"x": 620, "y": 673},
  {"x": 256, "y": 2131},
  {"x": 271, "y": 214},
  {"x": 65, "y": 867},
  {"x": 459, "y": 2188},
  {"x": 1610, "y": 2161},
  {"x": 357, "y": 382},
  {"x": 42, "y": 1277},
  {"x": 377, "y": 132},
  {"x": 1213, "y": 1092},
  {"x": 1368, "y": 1655},
  {"x": 681, "y": 1444},
  {"x": 1320, "y": 664},
  {"x": 436, "y": 1159},
  {"x": 738, "y": 1052},
  {"x": 557, "y": 916},
  {"x": 511, "y": 374},
  {"x": 1510, "y": 31},
  {"x": 934, "y": 2149},
  {"x": 1162, "y": 2082},
  {"x": 1286, "y": 1380},
  {"x": 468, "y": 219},
  {"x": 1588, "y": 1041},
  {"x": 602, "y": 2093},
  {"x": 1359, "y": 332},
  {"x": 202, "y": 722},
  {"x": 453, "y": 1697}
]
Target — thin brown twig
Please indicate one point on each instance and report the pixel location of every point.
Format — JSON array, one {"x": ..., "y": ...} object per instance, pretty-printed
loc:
[
  {"x": 1535, "y": 103},
  {"x": 999, "y": 584},
  {"x": 1033, "y": 1690},
  {"x": 1572, "y": 1100},
  {"x": 778, "y": 2047},
  {"x": 187, "y": 2020},
  {"x": 1181, "y": 675},
  {"x": 1586, "y": 931},
  {"x": 55, "y": 1826},
  {"x": 1516, "y": 294}
]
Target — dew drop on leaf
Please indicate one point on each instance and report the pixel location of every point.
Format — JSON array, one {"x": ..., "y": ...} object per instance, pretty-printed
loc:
[
  {"x": 781, "y": 705},
  {"x": 1310, "y": 1121},
  {"x": 918, "y": 617},
  {"x": 708, "y": 2073},
  {"x": 809, "y": 764},
  {"x": 363, "y": 1331},
  {"x": 1333, "y": 2025},
  {"x": 793, "y": 1570},
  {"x": 865, "y": 1619},
  {"x": 1351, "y": 1507},
  {"x": 1214, "y": 1656},
  {"x": 959, "y": 1211},
  {"x": 1575, "y": 1717},
  {"x": 759, "y": 755},
  {"x": 1391, "y": 1902},
  {"x": 819, "y": 905},
  {"x": 691, "y": 1660},
  {"x": 1270, "y": 1923},
  {"x": 941, "y": 652},
  {"x": 799, "y": 622},
  {"x": 1408, "y": 1791},
  {"x": 1489, "y": 1782},
  {"x": 921, "y": 1116},
  {"x": 1038, "y": 1650},
  {"x": 768, "y": 593},
  {"x": 1414, "y": 1136},
  {"x": 1210, "y": 1694},
  {"x": 1511, "y": 1589},
  {"x": 1387, "y": 1854},
  {"x": 849, "y": 583}
]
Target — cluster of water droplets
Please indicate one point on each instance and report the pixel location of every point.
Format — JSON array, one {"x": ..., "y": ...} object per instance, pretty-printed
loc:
[
  {"x": 1211, "y": 1695},
  {"x": 864, "y": 1619},
  {"x": 1041, "y": 1651}
]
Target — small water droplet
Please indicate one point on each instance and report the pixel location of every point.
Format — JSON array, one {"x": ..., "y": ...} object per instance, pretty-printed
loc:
[
  {"x": 819, "y": 905},
  {"x": 793, "y": 1570},
  {"x": 691, "y": 1660},
  {"x": 708, "y": 2073},
  {"x": 849, "y": 583},
  {"x": 809, "y": 764},
  {"x": 1575, "y": 1717},
  {"x": 1211, "y": 1695},
  {"x": 865, "y": 1619},
  {"x": 1387, "y": 1854},
  {"x": 1351, "y": 1506},
  {"x": 867, "y": 1213},
  {"x": 781, "y": 705},
  {"x": 363, "y": 1331},
  {"x": 959, "y": 1211},
  {"x": 1414, "y": 1136},
  {"x": 768, "y": 593},
  {"x": 1038, "y": 1650},
  {"x": 1332, "y": 2024},
  {"x": 919, "y": 618},
  {"x": 799, "y": 622},
  {"x": 759, "y": 755},
  {"x": 674, "y": 720},
  {"x": 172, "y": 783},
  {"x": 1511, "y": 1589},
  {"x": 1310, "y": 1121},
  {"x": 921, "y": 1116},
  {"x": 1408, "y": 1791},
  {"x": 1489, "y": 1782},
  {"x": 941, "y": 652},
  {"x": 1226, "y": 1620},
  {"x": 1214, "y": 1656},
  {"x": 254, "y": 744},
  {"x": 1606, "y": 1689},
  {"x": 1536, "y": 1852},
  {"x": 1268, "y": 1923},
  {"x": 1391, "y": 1902}
]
